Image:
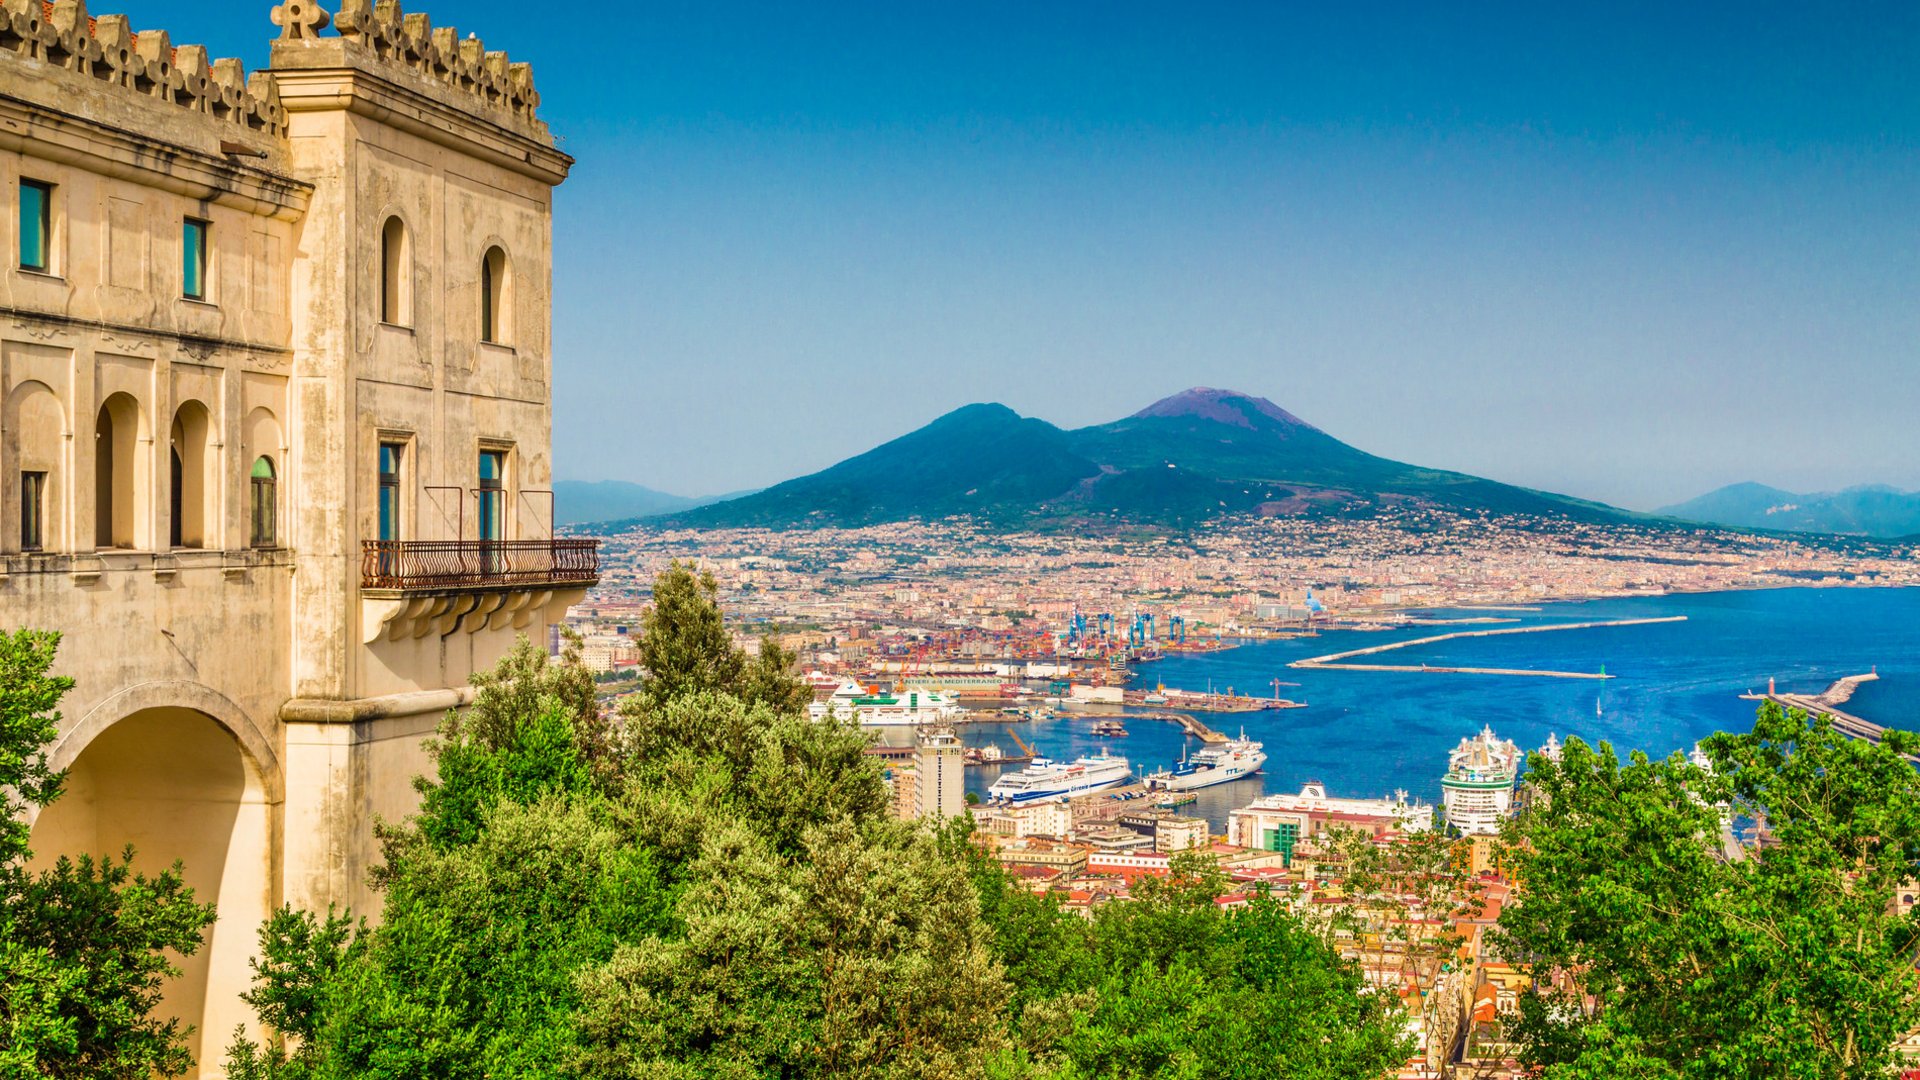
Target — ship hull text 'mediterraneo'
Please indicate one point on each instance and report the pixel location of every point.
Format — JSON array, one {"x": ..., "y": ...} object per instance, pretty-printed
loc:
[
  {"x": 1211, "y": 765},
  {"x": 1050, "y": 779},
  {"x": 881, "y": 709}
]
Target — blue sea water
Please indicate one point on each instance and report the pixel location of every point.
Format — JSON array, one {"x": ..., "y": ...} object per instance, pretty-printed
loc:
[{"x": 1368, "y": 733}]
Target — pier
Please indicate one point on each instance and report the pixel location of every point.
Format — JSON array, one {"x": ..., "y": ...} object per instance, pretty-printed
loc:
[
  {"x": 1826, "y": 703},
  {"x": 1336, "y": 661},
  {"x": 1192, "y": 726}
]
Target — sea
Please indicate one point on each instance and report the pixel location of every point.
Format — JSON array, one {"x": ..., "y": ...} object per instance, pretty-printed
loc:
[{"x": 1368, "y": 734}]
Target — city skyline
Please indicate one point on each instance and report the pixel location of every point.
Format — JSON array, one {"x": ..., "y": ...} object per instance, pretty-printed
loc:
[{"x": 1600, "y": 255}]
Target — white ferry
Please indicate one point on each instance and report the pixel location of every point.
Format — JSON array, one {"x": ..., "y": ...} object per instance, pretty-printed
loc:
[
  {"x": 1053, "y": 779},
  {"x": 879, "y": 708},
  {"x": 1218, "y": 764}
]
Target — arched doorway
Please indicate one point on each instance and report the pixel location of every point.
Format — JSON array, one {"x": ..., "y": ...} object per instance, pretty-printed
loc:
[{"x": 177, "y": 785}]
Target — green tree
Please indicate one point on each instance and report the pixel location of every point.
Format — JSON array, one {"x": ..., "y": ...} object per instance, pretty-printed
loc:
[
  {"x": 1662, "y": 947},
  {"x": 1169, "y": 985},
  {"x": 684, "y": 645},
  {"x": 864, "y": 957},
  {"x": 84, "y": 944}
]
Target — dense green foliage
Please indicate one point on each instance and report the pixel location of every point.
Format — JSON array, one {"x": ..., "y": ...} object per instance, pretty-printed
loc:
[
  {"x": 1171, "y": 985},
  {"x": 84, "y": 943},
  {"x": 709, "y": 885},
  {"x": 1665, "y": 948}
]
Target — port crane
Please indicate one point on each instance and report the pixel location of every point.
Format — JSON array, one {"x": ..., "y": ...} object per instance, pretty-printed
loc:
[{"x": 1022, "y": 744}]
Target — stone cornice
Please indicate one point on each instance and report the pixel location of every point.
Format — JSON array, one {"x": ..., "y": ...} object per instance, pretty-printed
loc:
[
  {"x": 370, "y": 94},
  {"x": 204, "y": 342},
  {"x": 44, "y": 131}
]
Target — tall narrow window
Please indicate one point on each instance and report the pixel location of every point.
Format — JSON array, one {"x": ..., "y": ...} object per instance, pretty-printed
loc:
[
  {"x": 495, "y": 297},
  {"x": 264, "y": 497},
  {"x": 492, "y": 506},
  {"x": 390, "y": 490},
  {"x": 493, "y": 501},
  {"x": 396, "y": 273},
  {"x": 193, "y": 259},
  {"x": 176, "y": 502},
  {"x": 33, "y": 511},
  {"x": 36, "y": 226}
]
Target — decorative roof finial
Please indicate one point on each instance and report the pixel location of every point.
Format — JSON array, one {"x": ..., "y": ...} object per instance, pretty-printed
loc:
[{"x": 299, "y": 19}]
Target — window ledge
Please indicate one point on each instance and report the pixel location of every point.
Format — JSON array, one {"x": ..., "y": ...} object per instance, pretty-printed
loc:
[
  {"x": 196, "y": 302},
  {"x": 398, "y": 328},
  {"x": 495, "y": 346},
  {"x": 43, "y": 275}
]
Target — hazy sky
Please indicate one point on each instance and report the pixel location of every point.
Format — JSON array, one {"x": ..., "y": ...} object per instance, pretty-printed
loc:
[{"x": 1628, "y": 253}]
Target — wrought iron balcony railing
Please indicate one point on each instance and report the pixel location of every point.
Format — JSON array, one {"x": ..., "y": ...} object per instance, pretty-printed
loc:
[{"x": 428, "y": 565}]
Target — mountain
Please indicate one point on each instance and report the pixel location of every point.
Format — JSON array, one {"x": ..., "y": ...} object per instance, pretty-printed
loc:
[
  {"x": 1868, "y": 510},
  {"x": 1199, "y": 454},
  {"x": 577, "y": 502}
]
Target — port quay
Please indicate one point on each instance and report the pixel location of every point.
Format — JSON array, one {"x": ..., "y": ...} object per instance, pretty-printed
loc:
[{"x": 1336, "y": 661}]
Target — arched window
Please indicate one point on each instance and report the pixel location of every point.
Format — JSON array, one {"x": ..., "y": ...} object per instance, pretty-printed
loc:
[
  {"x": 396, "y": 274},
  {"x": 32, "y": 437},
  {"x": 496, "y": 297},
  {"x": 261, "y": 503},
  {"x": 120, "y": 488},
  {"x": 191, "y": 499}
]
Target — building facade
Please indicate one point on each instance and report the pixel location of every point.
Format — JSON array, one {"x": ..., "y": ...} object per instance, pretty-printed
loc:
[
  {"x": 1279, "y": 822},
  {"x": 939, "y": 769},
  {"x": 275, "y": 418}
]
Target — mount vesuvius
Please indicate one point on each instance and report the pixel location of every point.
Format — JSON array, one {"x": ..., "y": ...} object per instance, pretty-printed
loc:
[{"x": 1197, "y": 455}]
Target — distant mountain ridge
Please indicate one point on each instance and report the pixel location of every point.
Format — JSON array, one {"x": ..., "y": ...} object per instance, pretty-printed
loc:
[
  {"x": 579, "y": 502},
  {"x": 1200, "y": 454},
  {"x": 1874, "y": 510}
]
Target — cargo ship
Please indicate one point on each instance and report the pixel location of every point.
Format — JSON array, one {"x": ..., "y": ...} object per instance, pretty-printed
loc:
[{"x": 1054, "y": 779}]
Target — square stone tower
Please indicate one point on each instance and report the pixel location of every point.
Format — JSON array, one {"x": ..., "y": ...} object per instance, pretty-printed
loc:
[{"x": 275, "y": 418}]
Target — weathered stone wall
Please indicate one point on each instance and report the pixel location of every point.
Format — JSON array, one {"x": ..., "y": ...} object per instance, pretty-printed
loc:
[{"x": 253, "y": 689}]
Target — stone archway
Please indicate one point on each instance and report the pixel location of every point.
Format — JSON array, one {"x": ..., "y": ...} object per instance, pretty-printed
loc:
[{"x": 184, "y": 783}]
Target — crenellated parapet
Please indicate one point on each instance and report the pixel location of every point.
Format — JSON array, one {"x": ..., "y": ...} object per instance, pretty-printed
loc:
[
  {"x": 412, "y": 42},
  {"x": 106, "y": 48}
]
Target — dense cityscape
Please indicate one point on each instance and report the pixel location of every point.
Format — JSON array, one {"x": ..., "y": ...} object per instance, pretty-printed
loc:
[{"x": 1242, "y": 577}]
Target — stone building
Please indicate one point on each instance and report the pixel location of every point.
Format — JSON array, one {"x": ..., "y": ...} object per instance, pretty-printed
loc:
[
  {"x": 275, "y": 419},
  {"x": 939, "y": 762}
]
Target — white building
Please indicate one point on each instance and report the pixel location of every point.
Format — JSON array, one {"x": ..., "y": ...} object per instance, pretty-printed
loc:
[{"x": 1277, "y": 822}]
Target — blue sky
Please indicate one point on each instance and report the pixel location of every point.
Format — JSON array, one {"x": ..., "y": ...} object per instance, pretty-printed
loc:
[{"x": 1630, "y": 252}]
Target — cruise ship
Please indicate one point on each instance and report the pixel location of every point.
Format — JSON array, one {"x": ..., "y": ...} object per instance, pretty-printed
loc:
[
  {"x": 1053, "y": 779},
  {"x": 876, "y": 708},
  {"x": 1479, "y": 783},
  {"x": 1212, "y": 765}
]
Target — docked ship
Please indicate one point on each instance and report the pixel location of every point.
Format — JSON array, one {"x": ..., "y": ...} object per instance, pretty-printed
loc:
[
  {"x": 1217, "y": 764},
  {"x": 1054, "y": 779},
  {"x": 879, "y": 708},
  {"x": 1479, "y": 783}
]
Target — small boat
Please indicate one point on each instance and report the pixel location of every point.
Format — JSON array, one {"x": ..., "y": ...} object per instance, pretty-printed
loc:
[
  {"x": 1173, "y": 800},
  {"x": 1112, "y": 729}
]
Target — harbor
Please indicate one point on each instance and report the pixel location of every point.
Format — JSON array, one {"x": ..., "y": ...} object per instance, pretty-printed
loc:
[{"x": 1679, "y": 665}]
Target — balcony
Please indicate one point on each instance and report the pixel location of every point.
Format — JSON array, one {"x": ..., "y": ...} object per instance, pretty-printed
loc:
[
  {"x": 410, "y": 588},
  {"x": 416, "y": 565}
]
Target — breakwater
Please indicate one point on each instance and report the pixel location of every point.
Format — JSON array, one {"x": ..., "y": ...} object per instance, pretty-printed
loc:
[{"x": 1339, "y": 661}]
